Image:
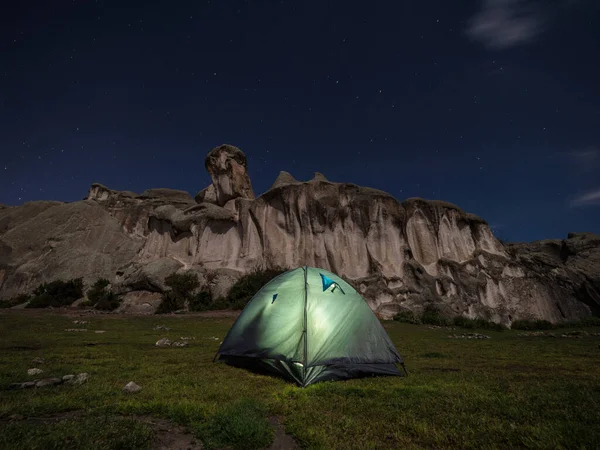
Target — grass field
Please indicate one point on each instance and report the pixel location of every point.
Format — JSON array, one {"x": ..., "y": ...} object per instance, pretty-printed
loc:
[{"x": 504, "y": 392}]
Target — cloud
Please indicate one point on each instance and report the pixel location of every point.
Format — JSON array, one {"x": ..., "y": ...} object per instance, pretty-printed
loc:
[
  {"x": 502, "y": 24},
  {"x": 586, "y": 160},
  {"x": 587, "y": 199}
]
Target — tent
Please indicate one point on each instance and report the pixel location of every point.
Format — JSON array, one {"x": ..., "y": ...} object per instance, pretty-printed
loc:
[{"x": 309, "y": 325}]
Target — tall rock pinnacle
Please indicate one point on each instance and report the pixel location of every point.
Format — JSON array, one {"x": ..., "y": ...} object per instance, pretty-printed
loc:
[{"x": 226, "y": 165}]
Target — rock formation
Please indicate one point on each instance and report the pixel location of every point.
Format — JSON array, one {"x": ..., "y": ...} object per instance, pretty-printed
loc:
[
  {"x": 226, "y": 165},
  {"x": 399, "y": 255}
]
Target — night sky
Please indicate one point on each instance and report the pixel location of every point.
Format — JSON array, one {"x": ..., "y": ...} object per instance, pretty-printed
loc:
[{"x": 492, "y": 105}]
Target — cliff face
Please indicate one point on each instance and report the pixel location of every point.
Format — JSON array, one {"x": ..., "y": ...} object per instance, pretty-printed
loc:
[{"x": 399, "y": 255}]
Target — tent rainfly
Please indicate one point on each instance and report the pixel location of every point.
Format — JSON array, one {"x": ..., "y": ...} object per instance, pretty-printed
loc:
[{"x": 309, "y": 325}]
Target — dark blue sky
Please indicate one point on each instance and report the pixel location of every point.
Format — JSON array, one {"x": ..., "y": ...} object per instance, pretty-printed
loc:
[{"x": 493, "y": 105}]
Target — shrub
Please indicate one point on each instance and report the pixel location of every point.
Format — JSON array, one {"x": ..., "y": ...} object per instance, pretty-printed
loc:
[
  {"x": 201, "y": 301},
  {"x": 247, "y": 286},
  {"x": 591, "y": 321},
  {"x": 407, "y": 316},
  {"x": 56, "y": 293},
  {"x": 432, "y": 316},
  {"x": 14, "y": 301},
  {"x": 168, "y": 304},
  {"x": 97, "y": 291},
  {"x": 109, "y": 301},
  {"x": 220, "y": 303},
  {"x": 465, "y": 322},
  {"x": 181, "y": 286},
  {"x": 100, "y": 297},
  {"x": 529, "y": 325}
]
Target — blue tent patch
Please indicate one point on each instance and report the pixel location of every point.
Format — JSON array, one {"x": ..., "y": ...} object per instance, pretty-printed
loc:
[
  {"x": 274, "y": 297},
  {"x": 328, "y": 282}
]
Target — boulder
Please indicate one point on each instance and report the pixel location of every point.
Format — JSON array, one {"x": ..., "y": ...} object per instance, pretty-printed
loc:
[
  {"x": 140, "y": 302},
  {"x": 148, "y": 276},
  {"x": 220, "y": 281},
  {"x": 34, "y": 371}
]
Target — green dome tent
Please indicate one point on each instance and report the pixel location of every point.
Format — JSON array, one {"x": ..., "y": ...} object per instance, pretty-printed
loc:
[{"x": 309, "y": 325}]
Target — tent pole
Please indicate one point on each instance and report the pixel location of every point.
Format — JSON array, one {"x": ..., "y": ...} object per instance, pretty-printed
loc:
[{"x": 305, "y": 324}]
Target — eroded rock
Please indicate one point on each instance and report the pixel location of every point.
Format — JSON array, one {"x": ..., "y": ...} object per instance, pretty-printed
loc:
[
  {"x": 226, "y": 165},
  {"x": 400, "y": 255}
]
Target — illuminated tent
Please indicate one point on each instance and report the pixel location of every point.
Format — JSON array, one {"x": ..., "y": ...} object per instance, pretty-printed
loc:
[{"x": 309, "y": 325}]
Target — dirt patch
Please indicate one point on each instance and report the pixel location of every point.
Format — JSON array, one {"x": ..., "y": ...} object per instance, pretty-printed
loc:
[
  {"x": 281, "y": 440},
  {"x": 169, "y": 436}
]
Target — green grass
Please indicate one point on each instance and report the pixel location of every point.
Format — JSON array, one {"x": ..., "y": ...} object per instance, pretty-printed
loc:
[
  {"x": 241, "y": 425},
  {"x": 503, "y": 392},
  {"x": 94, "y": 433}
]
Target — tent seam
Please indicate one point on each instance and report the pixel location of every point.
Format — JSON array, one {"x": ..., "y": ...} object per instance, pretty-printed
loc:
[{"x": 305, "y": 325}]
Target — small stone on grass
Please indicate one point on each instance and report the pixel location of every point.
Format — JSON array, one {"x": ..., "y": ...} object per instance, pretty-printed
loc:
[
  {"x": 164, "y": 342},
  {"x": 47, "y": 382},
  {"x": 131, "y": 388}
]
